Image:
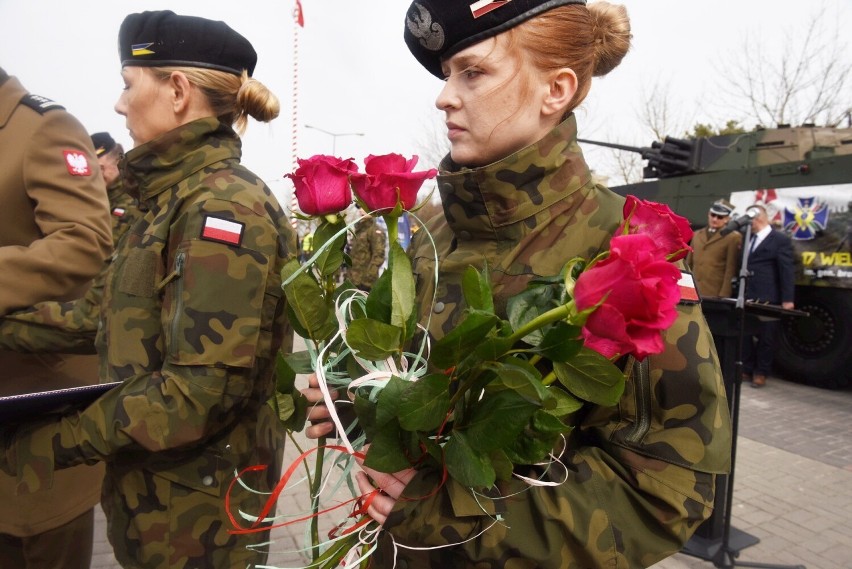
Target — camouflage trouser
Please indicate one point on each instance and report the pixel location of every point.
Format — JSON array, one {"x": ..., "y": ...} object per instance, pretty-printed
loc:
[{"x": 171, "y": 526}]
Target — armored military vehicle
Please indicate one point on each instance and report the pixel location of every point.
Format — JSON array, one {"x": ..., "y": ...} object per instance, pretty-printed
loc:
[{"x": 803, "y": 176}]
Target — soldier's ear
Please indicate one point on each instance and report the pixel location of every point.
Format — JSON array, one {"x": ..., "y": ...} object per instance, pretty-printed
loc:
[
  {"x": 562, "y": 86},
  {"x": 179, "y": 92}
]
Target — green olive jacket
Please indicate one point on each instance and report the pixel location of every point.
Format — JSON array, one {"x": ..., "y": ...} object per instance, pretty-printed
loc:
[
  {"x": 640, "y": 475},
  {"x": 193, "y": 316}
]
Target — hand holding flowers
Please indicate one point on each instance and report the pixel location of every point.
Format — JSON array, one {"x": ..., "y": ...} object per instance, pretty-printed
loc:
[{"x": 498, "y": 391}]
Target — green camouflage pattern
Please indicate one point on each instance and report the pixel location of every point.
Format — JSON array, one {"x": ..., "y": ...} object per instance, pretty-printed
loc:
[
  {"x": 190, "y": 327},
  {"x": 640, "y": 475},
  {"x": 367, "y": 252},
  {"x": 124, "y": 210},
  {"x": 70, "y": 327}
]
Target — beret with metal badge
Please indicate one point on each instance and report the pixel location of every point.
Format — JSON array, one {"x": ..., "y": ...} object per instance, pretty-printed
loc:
[{"x": 437, "y": 29}]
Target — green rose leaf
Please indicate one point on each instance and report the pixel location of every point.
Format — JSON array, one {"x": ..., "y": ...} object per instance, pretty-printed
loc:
[
  {"x": 545, "y": 423},
  {"x": 561, "y": 342},
  {"x": 373, "y": 340},
  {"x": 402, "y": 289},
  {"x": 591, "y": 377},
  {"x": 503, "y": 467},
  {"x": 476, "y": 288},
  {"x": 565, "y": 402},
  {"x": 312, "y": 315},
  {"x": 530, "y": 448},
  {"x": 379, "y": 305},
  {"x": 366, "y": 411},
  {"x": 331, "y": 259},
  {"x": 462, "y": 339},
  {"x": 387, "y": 452},
  {"x": 465, "y": 465},
  {"x": 522, "y": 378},
  {"x": 424, "y": 403},
  {"x": 496, "y": 420},
  {"x": 526, "y": 306},
  {"x": 387, "y": 406}
]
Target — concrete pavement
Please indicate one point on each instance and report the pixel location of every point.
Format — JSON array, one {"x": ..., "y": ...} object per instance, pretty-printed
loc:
[{"x": 792, "y": 484}]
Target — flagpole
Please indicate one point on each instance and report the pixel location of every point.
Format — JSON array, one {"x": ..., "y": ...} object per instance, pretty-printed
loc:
[{"x": 298, "y": 21}]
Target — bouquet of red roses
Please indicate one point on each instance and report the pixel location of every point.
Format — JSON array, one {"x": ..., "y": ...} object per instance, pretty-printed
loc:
[{"x": 498, "y": 390}]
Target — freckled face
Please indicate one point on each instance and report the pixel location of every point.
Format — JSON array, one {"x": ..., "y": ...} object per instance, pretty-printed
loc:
[
  {"x": 146, "y": 105},
  {"x": 492, "y": 103}
]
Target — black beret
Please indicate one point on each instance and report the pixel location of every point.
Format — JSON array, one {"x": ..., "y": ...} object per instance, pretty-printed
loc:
[
  {"x": 437, "y": 29},
  {"x": 163, "y": 38},
  {"x": 722, "y": 207},
  {"x": 102, "y": 142}
]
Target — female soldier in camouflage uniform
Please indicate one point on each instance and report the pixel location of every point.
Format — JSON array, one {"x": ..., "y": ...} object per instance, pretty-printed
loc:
[
  {"x": 193, "y": 313},
  {"x": 518, "y": 195}
]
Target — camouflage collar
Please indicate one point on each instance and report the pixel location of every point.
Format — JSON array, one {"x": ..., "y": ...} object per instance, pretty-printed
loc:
[
  {"x": 150, "y": 169},
  {"x": 483, "y": 200}
]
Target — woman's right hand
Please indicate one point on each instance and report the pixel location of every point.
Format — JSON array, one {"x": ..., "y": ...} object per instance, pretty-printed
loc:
[{"x": 318, "y": 415}]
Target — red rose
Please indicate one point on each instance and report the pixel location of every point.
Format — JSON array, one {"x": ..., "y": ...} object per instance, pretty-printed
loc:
[
  {"x": 670, "y": 231},
  {"x": 641, "y": 293},
  {"x": 322, "y": 184},
  {"x": 389, "y": 179}
]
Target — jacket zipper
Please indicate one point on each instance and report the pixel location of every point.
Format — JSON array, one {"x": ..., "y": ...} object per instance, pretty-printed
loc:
[
  {"x": 642, "y": 384},
  {"x": 177, "y": 273}
]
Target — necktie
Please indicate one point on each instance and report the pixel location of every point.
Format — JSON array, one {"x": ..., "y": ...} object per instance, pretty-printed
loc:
[{"x": 753, "y": 241}]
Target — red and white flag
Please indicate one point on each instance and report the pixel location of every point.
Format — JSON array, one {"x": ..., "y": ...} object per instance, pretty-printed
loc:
[
  {"x": 297, "y": 14},
  {"x": 688, "y": 292},
  {"x": 222, "y": 230},
  {"x": 484, "y": 6}
]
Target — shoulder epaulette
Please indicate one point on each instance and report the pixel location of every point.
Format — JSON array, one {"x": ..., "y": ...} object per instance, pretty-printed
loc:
[{"x": 40, "y": 104}]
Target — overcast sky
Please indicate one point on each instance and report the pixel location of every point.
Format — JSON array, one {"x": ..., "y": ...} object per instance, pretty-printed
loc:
[{"x": 355, "y": 74}]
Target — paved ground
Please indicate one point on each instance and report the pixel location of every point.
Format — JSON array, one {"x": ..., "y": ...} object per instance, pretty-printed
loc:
[{"x": 792, "y": 484}]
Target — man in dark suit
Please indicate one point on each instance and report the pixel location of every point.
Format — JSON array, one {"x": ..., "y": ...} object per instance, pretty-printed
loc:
[{"x": 771, "y": 280}]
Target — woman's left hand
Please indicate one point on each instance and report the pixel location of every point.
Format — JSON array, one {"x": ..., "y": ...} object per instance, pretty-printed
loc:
[{"x": 390, "y": 488}]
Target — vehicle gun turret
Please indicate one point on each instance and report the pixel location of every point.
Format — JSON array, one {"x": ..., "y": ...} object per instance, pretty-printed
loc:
[{"x": 804, "y": 177}]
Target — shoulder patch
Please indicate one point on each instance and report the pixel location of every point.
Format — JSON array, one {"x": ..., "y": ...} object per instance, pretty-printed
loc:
[
  {"x": 40, "y": 104},
  {"x": 222, "y": 230},
  {"x": 688, "y": 292},
  {"x": 77, "y": 163},
  {"x": 119, "y": 211}
]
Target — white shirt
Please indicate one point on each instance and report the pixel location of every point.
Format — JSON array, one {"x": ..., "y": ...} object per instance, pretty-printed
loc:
[{"x": 759, "y": 237}]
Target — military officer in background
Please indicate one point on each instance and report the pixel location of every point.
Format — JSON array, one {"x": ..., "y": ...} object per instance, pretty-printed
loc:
[
  {"x": 715, "y": 254},
  {"x": 54, "y": 238},
  {"x": 70, "y": 327},
  {"x": 367, "y": 248},
  {"x": 123, "y": 207}
]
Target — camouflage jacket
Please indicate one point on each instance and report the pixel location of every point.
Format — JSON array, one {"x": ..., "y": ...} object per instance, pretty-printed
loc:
[
  {"x": 193, "y": 315},
  {"x": 641, "y": 474},
  {"x": 367, "y": 251},
  {"x": 123, "y": 208}
]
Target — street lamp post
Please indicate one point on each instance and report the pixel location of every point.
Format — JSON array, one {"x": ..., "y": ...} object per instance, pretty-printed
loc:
[{"x": 334, "y": 136}]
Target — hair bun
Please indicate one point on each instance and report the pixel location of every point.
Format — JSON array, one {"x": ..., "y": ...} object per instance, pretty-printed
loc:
[{"x": 611, "y": 31}]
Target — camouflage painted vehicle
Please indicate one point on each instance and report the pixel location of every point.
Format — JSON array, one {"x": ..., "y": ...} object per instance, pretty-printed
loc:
[{"x": 804, "y": 177}]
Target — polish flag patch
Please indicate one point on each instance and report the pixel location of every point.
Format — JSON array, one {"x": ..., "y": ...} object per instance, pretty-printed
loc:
[
  {"x": 688, "y": 292},
  {"x": 77, "y": 163},
  {"x": 119, "y": 211},
  {"x": 482, "y": 7},
  {"x": 222, "y": 230}
]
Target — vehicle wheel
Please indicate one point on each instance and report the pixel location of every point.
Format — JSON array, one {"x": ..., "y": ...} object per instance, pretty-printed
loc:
[{"x": 817, "y": 349}]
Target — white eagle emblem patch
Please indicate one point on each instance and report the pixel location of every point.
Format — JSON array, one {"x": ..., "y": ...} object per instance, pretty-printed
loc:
[{"x": 77, "y": 163}]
